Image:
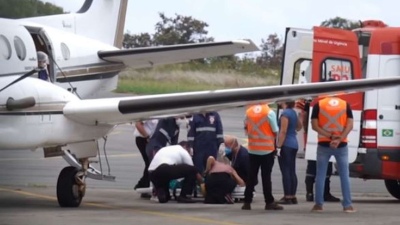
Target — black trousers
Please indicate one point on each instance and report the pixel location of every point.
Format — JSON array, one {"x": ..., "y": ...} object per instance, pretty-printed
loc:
[
  {"x": 164, "y": 173},
  {"x": 218, "y": 185},
  {"x": 310, "y": 177},
  {"x": 311, "y": 170},
  {"x": 141, "y": 143},
  {"x": 266, "y": 162}
]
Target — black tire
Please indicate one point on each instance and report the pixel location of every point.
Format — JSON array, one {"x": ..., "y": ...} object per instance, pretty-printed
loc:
[
  {"x": 393, "y": 187},
  {"x": 65, "y": 188}
]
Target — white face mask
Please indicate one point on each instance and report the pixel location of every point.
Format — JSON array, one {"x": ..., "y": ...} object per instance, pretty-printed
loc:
[{"x": 182, "y": 122}]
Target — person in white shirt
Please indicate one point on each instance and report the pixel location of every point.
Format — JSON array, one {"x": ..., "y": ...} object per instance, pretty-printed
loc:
[
  {"x": 144, "y": 130},
  {"x": 170, "y": 163}
]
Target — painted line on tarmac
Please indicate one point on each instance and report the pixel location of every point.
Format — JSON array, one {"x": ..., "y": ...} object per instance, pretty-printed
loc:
[{"x": 147, "y": 212}]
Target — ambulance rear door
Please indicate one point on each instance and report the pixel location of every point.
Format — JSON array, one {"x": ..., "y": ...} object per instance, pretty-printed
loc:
[
  {"x": 296, "y": 65},
  {"x": 335, "y": 55}
]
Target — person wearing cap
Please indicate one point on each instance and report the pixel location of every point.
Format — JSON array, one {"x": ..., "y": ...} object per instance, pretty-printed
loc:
[{"x": 42, "y": 58}]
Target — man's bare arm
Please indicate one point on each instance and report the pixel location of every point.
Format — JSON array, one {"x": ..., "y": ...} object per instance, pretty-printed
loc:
[
  {"x": 139, "y": 126},
  {"x": 237, "y": 178},
  {"x": 210, "y": 164}
]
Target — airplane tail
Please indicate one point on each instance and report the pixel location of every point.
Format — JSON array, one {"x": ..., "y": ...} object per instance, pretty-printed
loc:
[{"x": 102, "y": 20}]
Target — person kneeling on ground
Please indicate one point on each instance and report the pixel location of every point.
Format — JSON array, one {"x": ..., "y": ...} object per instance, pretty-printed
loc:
[
  {"x": 171, "y": 163},
  {"x": 220, "y": 181},
  {"x": 238, "y": 156}
]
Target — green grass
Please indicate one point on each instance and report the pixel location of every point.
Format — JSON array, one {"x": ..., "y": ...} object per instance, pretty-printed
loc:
[
  {"x": 168, "y": 81},
  {"x": 156, "y": 87}
]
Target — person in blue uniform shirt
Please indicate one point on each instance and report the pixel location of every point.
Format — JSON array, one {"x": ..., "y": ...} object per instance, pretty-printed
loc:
[
  {"x": 166, "y": 133},
  {"x": 205, "y": 135}
]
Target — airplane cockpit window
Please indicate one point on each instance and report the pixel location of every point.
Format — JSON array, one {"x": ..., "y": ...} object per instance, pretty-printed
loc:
[
  {"x": 338, "y": 69},
  {"x": 5, "y": 48},
  {"x": 20, "y": 48}
]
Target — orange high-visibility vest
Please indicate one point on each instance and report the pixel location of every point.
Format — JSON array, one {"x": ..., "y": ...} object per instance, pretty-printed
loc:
[
  {"x": 332, "y": 117},
  {"x": 260, "y": 135}
]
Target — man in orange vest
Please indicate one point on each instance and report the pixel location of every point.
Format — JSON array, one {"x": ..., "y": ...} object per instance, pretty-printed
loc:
[
  {"x": 304, "y": 105},
  {"x": 332, "y": 119},
  {"x": 261, "y": 127}
]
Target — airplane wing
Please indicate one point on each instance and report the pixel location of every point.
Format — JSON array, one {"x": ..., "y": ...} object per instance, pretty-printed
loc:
[
  {"x": 151, "y": 56},
  {"x": 128, "y": 109}
]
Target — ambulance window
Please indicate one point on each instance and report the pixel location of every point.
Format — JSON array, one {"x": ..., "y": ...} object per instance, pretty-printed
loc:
[
  {"x": 302, "y": 71},
  {"x": 5, "y": 48},
  {"x": 338, "y": 69},
  {"x": 20, "y": 48}
]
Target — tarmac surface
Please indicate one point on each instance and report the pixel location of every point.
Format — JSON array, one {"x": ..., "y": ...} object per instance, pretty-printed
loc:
[{"x": 28, "y": 193}]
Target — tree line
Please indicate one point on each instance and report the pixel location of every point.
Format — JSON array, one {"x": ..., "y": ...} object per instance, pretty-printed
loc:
[
  {"x": 15, "y": 9},
  {"x": 182, "y": 29}
]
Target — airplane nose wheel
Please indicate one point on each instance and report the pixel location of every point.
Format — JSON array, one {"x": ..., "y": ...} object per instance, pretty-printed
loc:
[{"x": 71, "y": 187}]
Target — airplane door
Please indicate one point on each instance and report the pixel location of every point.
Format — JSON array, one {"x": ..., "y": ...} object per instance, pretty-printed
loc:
[
  {"x": 43, "y": 43},
  {"x": 49, "y": 50},
  {"x": 336, "y": 56}
]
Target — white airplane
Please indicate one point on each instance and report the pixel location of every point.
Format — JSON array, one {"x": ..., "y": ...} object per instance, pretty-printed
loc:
[{"x": 37, "y": 114}]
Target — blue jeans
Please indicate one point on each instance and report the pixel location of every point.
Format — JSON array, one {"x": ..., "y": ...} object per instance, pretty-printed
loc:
[
  {"x": 287, "y": 164},
  {"x": 342, "y": 159}
]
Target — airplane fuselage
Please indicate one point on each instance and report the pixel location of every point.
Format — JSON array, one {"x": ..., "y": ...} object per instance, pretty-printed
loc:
[
  {"x": 73, "y": 59},
  {"x": 43, "y": 124}
]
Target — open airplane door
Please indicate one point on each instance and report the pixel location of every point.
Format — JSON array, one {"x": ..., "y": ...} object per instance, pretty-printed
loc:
[{"x": 335, "y": 55}]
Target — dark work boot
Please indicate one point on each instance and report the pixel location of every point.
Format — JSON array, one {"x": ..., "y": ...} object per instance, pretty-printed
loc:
[
  {"x": 309, "y": 197},
  {"x": 309, "y": 188},
  {"x": 328, "y": 197},
  {"x": 142, "y": 184},
  {"x": 273, "y": 206},
  {"x": 246, "y": 206}
]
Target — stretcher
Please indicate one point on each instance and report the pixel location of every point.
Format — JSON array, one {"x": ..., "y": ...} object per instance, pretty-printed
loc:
[{"x": 175, "y": 189}]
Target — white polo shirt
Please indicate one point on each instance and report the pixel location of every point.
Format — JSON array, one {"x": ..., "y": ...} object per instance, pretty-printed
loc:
[
  {"x": 149, "y": 127},
  {"x": 171, "y": 155}
]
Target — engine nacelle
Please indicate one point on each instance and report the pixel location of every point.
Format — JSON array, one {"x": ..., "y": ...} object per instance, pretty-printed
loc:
[{"x": 35, "y": 117}]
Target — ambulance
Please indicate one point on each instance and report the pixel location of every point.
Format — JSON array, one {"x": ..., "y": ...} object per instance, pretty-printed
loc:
[{"x": 372, "y": 51}]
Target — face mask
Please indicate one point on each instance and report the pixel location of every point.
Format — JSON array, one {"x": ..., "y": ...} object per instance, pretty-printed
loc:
[{"x": 228, "y": 151}]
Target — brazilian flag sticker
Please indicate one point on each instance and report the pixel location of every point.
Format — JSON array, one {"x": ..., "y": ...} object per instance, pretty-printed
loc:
[{"x": 387, "y": 132}]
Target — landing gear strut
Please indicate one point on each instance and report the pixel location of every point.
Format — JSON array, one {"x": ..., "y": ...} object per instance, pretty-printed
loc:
[{"x": 71, "y": 185}]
